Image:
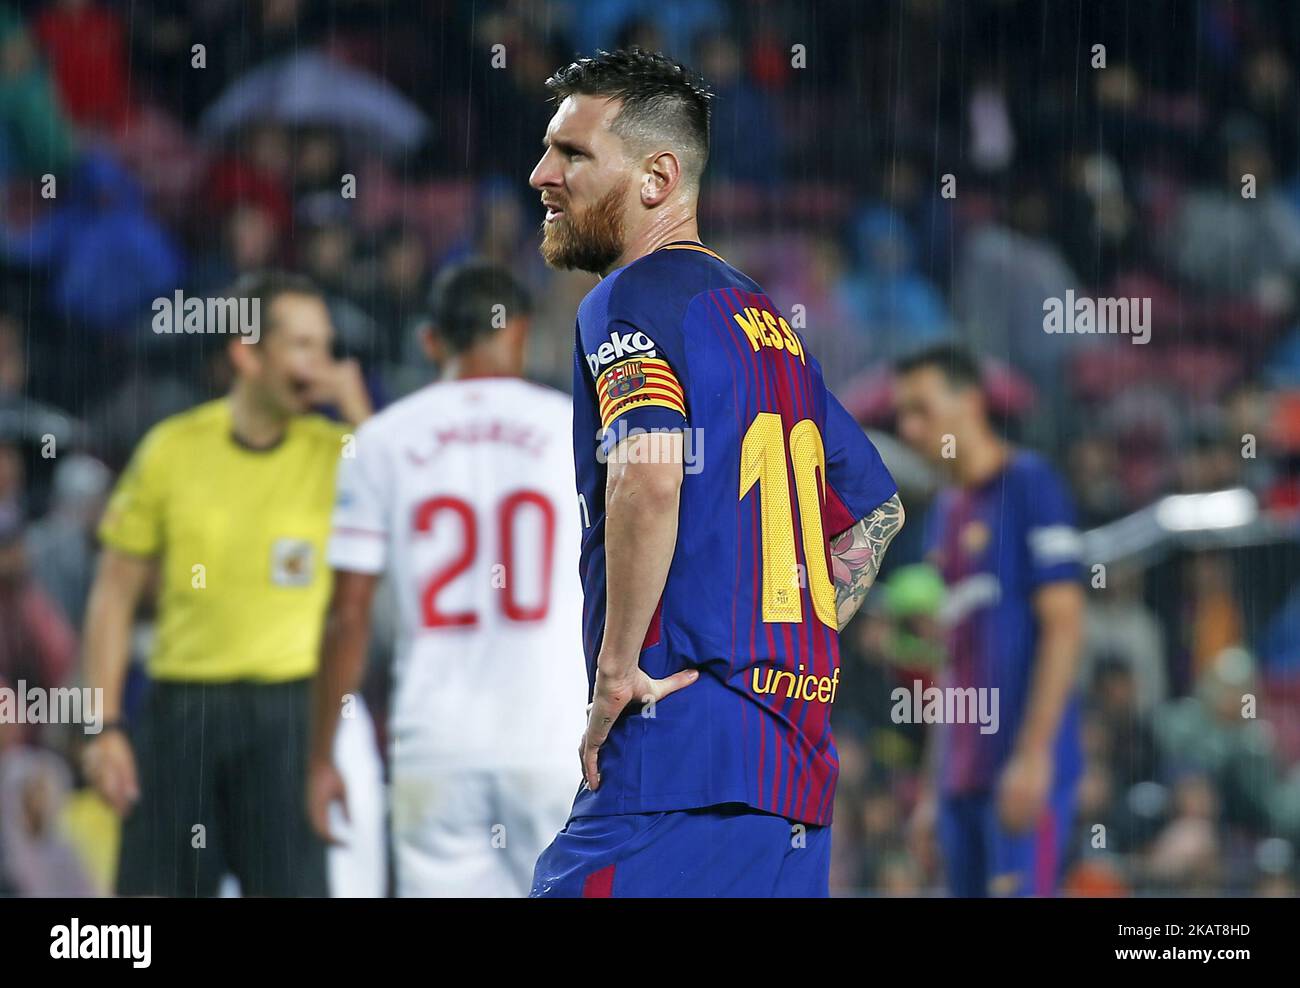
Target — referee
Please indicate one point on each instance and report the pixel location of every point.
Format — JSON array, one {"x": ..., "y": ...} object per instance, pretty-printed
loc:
[{"x": 227, "y": 507}]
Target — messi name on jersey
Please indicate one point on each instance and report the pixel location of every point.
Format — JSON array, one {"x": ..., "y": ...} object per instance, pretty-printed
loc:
[{"x": 765, "y": 328}]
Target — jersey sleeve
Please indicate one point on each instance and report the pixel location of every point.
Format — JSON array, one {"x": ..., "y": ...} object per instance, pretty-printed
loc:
[
  {"x": 857, "y": 481},
  {"x": 639, "y": 378},
  {"x": 1051, "y": 533},
  {"x": 360, "y": 529},
  {"x": 133, "y": 518}
]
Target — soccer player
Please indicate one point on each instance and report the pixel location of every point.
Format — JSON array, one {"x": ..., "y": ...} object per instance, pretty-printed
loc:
[
  {"x": 1005, "y": 541},
  {"x": 719, "y": 482},
  {"x": 225, "y": 506},
  {"x": 463, "y": 493}
]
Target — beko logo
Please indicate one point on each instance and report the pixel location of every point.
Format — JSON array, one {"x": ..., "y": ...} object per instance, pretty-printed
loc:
[{"x": 620, "y": 345}]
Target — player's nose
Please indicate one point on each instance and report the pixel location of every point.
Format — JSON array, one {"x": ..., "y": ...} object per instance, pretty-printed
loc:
[{"x": 545, "y": 174}]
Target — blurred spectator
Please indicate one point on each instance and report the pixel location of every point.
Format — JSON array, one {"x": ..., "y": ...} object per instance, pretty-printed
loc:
[
  {"x": 1223, "y": 241},
  {"x": 35, "y": 138},
  {"x": 1005, "y": 272},
  {"x": 12, "y": 501},
  {"x": 252, "y": 182},
  {"x": 85, "y": 44},
  {"x": 248, "y": 241},
  {"x": 1131, "y": 751},
  {"x": 1213, "y": 732},
  {"x": 1185, "y": 856},
  {"x": 1098, "y": 223},
  {"x": 61, "y": 546},
  {"x": 402, "y": 279},
  {"x": 24, "y": 419},
  {"x": 1270, "y": 85},
  {"x": 511, "y": 104},
  {"x": 897, "y": 308},
  {"x": 37, "y": 645},
  {"x": 1214, "y": 619},
  {"x": 107, "y": 257},
  {"x": 741, "y": 112},
  {"x": 1212, "y": 458},
  {"x": 678, "y": 22},
  {"x": 992, "y": 136},
  {"x": 1280, "y": 647},
  {"x": 1093, "y": 466},
  {"x": 36, "y": 858},
  {"x": 1121, "y": 630}
]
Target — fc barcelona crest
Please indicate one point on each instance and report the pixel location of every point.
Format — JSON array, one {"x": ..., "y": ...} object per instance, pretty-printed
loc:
[{"x": 624, "y": 379}]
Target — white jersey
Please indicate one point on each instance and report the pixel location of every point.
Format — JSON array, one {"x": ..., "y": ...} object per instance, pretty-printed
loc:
[{"x": 464, "y": 492}]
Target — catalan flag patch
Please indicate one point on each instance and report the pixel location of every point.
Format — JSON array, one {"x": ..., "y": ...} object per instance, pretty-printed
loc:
[{"x": 638, "y": 383}]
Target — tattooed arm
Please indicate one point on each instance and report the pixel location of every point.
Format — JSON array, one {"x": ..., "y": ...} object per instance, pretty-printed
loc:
[{"x": 856, "y": 555}]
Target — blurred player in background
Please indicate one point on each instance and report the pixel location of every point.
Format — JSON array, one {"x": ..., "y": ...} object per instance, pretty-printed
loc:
[
  {"x": 711, "y": 615},
  {"x": 464, "y": 494},
  {"x": 1005, "y": 541},
  {"x": 227, "y": 507}
]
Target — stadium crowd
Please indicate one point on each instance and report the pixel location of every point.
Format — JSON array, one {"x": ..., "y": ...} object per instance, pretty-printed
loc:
[{"x": 894, "y": 174}]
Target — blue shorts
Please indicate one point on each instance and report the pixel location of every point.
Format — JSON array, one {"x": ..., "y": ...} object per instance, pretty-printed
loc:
[
  {"x": 716, "y": 851},
  {"x": 981, "y": 858}
]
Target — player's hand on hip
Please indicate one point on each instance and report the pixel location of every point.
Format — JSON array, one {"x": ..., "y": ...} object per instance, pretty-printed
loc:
[
  {"x": 109, "y": 764},
  {"x": 325, "y": 786},
  {"x": 610, "y": 698},
  {"x": 1023, "y": 788}
]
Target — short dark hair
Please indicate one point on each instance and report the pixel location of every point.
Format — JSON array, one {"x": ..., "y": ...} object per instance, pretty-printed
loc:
[
  {"x": 661, "y": 97},
  {"x": 956, "y": 363},
  {"x": 267, "y": 286},
  {"x": 461, "y": 303}
]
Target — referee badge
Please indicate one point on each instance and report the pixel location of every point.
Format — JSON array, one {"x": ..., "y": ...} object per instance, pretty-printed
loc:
[{"x": 292, "y": 562}]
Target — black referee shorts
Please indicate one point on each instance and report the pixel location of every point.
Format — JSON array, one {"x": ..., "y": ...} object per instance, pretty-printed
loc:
[{"x": 222, "y": 770}]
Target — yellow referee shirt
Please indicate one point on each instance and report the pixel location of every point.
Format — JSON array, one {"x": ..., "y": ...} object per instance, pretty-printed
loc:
[{"x": 240, "y": 536}]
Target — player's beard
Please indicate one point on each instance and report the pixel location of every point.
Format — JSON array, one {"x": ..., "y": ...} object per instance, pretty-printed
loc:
[{"x": 589, "y": 241}]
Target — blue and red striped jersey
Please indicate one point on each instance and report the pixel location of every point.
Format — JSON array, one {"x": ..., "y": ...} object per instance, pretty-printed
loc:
[
  {"x": 996, "y": 546},
  {"x": 773, "y": 468}
]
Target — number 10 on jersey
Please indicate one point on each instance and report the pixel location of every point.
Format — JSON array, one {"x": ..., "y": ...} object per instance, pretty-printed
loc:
[{"x": 764, "y": 455}]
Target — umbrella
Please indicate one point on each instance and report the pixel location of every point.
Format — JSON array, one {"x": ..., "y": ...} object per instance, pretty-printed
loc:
[{"x": 312, "y": 88}]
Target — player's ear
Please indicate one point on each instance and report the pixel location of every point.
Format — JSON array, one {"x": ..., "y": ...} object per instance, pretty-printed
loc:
[
  {"x": 517, "y": 328},
  {"x": 245, "y": 357},
  {"x": 433, "y": 345},
  {"x": 663, "y": 174},
  {"x": 515, "y": 332}
]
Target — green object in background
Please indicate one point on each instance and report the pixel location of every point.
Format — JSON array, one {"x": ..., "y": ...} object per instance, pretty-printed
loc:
[
  {"x": 911, "y": 651},
  {"x": 914, "y": 590},
  {"x": 37, "y": 137}
]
